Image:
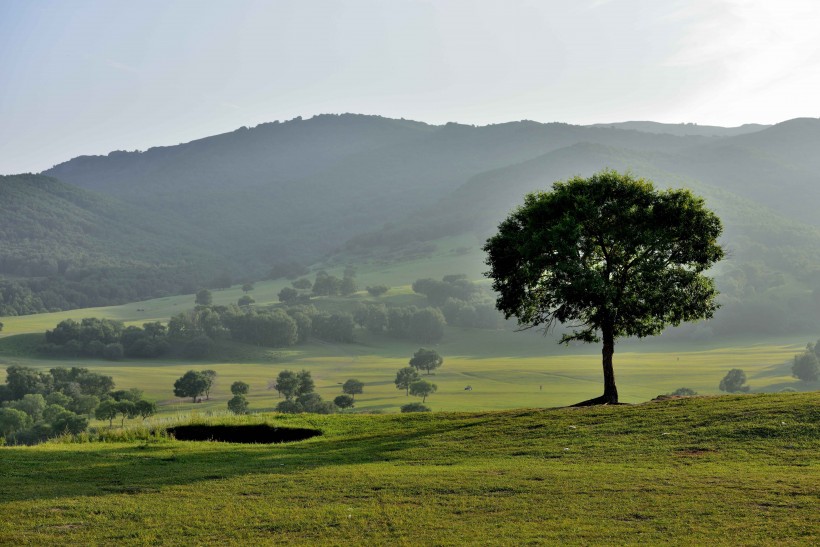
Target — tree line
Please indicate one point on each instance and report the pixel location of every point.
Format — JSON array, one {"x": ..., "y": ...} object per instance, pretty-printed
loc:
[{"x": 37, "y": 405}]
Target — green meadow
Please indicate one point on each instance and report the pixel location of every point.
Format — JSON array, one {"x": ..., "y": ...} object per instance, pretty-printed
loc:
[{"x": 732, "y": 470}]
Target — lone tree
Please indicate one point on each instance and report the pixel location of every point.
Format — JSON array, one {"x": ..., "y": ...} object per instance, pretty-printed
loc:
[
  {"x": 352, "y": 387},
  {"x": 192, "y": 384},
  {"x": 405, "y": 377},
  {"x": 806, "y": 366},
  {"x": 426, "y": 359},
  {"x": 734, "y": 382},
  {"x": 203, "y": 298},
  {"x": 422, "y": 388},
  {"x": 608, "y": 256}
]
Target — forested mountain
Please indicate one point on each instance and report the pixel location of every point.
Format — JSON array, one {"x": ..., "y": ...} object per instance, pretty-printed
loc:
[
  {"x": 301, "y": 188},
  {"x": 363, "y": 187},
  {"x": 65, "y": 247}
]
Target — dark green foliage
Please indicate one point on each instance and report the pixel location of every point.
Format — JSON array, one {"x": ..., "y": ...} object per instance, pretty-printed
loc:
[
  {"x": 238, "y": 404},
  {"x": 107, "y": 411},
  {"x": 288, "y": 296},
  {"x": 326, "y": 284},
  {"x": 806, "y": 366},
  {"x": 422, "y": 388},
  {"x": 405, "y": 377},
  {"x": 68, "y": 248},
  {"x": 415, "y": 407},
  {"x": 113, "y": 352},
  {"x": 609, "y": 255},
  {"x": 245, "y": 301},
  {"x": 247, "y": 287},
  {"x": 426, "y": 359},
  {"x": 684, "y": 392},
  {"x": 12, "y": 421},
  {"x": 289, "y": 406},
  {"x": 145, "y": 409},
  {"x": 204, "y": 298},
  {"x": 344, "y": 401},
  {"x": 335, "y": 327},
  {"x": 475, "y": 315},
  {"x": 373, "y": 317},
  {"x": 377, "y": 290},
  {"x": 192, "y": 384},
  {"x": 353, "y": 387},
  {"x": 734, "y": 382},
  {"x": 199, "y": 348},
  {"x": 126, "y": 409},
  {"x": 294, "y": 384},
  {"x": 451, "y": 286},
  {"x": 210, "y": 378},
  {"x": 313, "y": 403},
  {"x": 57, "y": 402},
  {"x": 272, "y": 329},
  {"x": 427, "y": 326},
  {"x": 240, "y": 388}
]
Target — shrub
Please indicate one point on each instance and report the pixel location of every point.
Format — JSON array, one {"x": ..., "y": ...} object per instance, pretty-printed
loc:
[
  {"x": 415, "y": 407},
  {"x": 343, "y": 401},
  {"x": 238, "y": 404}
]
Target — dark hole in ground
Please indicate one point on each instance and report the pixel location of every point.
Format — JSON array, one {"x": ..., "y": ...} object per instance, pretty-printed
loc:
[{"x": 262, "y": 434}]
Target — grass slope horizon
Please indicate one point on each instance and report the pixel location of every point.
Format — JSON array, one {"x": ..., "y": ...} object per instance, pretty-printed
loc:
[{"x": 701, "y": 470}]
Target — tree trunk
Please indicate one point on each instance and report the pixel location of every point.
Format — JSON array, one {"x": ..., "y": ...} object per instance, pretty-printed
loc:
[{"x": 610, "y": 396}]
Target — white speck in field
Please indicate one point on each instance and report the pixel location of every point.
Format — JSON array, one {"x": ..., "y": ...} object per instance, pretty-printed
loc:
[{"x": 573, "y": 427}]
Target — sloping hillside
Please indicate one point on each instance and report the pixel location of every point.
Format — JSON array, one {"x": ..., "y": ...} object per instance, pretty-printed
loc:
[{"x": 74, "y": 248}]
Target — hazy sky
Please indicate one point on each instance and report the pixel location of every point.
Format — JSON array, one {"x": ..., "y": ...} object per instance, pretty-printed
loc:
[{"x": 87, "y": 77}]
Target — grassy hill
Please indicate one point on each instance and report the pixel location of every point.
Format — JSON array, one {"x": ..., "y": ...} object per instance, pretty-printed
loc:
[{"x": 706, "y": 471}]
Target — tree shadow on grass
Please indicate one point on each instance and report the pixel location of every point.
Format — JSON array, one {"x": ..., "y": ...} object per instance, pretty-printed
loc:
[{"x": 29, "y": 473}]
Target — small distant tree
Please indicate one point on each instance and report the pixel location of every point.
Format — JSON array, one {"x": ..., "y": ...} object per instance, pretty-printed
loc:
[
  {"x": 426, "y": 359},
  {"x": 405, "y": 377},
  {"x": 734, "y": 382},
  {"x": 353, "y": 387},
  {"x": 343, "y": 401},
  {"x": 145, "y": 409},
  {"x": 126, "y": 409},
  {"x": 377, "y": 290},
  {"x": 289, "y": 406},
  {"x": 204, "y": 298},
  {"x": 240, "y": 388},
  {"x": 684, "y": 392},
  {"x": 806, "y": 366},
  {"x": 422, "y": 388},
  {"x": 210, "y": 377},
  {"x": 313, "y": 403},
  {"x": 245, "y": 301},
  {"x": 247, "y": 287},
  {"x": 107, "y": 410},
  {"x": 415, "y": 407},
  {"x": 287, "y": 384},
  {"x": 192, "y": 384},
  {"x": 238, "y": 404},
  {"x": 306, "y": 384}
]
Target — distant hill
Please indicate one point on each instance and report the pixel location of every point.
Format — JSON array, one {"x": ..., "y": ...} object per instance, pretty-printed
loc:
[
  {"x": 355, "y": 187},
  {"x": 685, "y": 129}
]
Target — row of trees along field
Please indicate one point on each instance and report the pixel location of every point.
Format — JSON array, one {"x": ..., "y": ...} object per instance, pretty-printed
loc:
[
  {"x": 192, "y": 333},
  {"x": 38, "y": 405}
]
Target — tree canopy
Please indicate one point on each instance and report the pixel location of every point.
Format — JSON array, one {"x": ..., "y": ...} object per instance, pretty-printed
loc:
[{"x": 608, "y": 256}]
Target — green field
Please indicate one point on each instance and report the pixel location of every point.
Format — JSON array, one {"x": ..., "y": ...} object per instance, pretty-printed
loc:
[
  {"x": 701, "y": 471},
  {"x": 505, "y": 369}
]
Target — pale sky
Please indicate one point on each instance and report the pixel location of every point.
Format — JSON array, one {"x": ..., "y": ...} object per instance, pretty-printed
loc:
[{"x": 87, "y": 77}]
